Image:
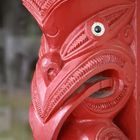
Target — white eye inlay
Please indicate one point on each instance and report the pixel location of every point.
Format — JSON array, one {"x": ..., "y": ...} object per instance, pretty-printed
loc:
[{"x": 98, "y": 29}]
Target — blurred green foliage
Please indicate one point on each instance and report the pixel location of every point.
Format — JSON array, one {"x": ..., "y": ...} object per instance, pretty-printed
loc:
[
  {"x": 15, "y": 20},
  {"x": 19, "y": 130}
]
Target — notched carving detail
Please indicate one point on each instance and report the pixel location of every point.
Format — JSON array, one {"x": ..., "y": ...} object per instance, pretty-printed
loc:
[
  {"x": 41, "y": 8},
  {"x": 80, "y": 41}
]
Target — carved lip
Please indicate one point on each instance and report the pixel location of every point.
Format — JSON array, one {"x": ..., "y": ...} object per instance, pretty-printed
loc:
[
  {"x": 91, "y": 66},
  {"x": 105, "y": 100}
]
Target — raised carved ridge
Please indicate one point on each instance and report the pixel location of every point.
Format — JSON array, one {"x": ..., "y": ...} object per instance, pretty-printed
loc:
[{"x": 41, "y": 8}]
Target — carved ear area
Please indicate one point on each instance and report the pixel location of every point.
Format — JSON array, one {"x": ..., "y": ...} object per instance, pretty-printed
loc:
[
  {"x": 127, "y": 34},
  {"x": 40, "y": 9}
]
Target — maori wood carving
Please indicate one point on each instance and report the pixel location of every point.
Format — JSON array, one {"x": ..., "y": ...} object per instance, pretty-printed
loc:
[{"x": 83, "y": 86}]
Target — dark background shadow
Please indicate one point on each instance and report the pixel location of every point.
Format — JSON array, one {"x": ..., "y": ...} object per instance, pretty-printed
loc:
[{"x": 19, "y": 43}]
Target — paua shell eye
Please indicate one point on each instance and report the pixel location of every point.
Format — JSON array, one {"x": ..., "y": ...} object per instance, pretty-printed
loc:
[{"x": 98, "y": 29}]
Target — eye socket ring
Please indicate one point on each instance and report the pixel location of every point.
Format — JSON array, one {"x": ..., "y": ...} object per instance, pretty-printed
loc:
[{"x": 98, "y": 29}]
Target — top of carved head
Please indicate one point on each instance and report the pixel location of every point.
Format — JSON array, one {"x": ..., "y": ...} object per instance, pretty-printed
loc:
[{"x": 81, "y": 39}]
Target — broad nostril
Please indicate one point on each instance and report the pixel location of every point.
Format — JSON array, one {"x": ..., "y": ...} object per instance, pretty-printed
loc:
[
  {"x": 52, "y": 72},
  {"x": 50, "y": 66}
]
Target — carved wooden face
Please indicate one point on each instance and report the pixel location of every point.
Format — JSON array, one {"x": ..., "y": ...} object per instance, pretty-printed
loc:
[{"x": 86, "y": 58}]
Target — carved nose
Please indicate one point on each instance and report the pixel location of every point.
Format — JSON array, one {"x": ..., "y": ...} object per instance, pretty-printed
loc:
[{"x": 51, "y": 65}]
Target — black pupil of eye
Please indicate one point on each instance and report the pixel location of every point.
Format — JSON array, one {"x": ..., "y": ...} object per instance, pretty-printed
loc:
[{"x": 97, "y": 29}]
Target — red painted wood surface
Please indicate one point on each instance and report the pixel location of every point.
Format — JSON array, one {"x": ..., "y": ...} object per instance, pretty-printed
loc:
[{"x": 85, "y": 86}]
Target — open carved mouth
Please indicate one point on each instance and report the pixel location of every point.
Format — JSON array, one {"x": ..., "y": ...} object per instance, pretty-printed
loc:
[
  {"x": 102, "y": 93},
  {"x": 96, "y": 69},
  {"x": 106, "y": 97}
]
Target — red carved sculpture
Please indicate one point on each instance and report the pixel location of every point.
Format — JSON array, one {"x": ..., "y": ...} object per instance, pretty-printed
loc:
[{"x": 83, "y": 86}]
